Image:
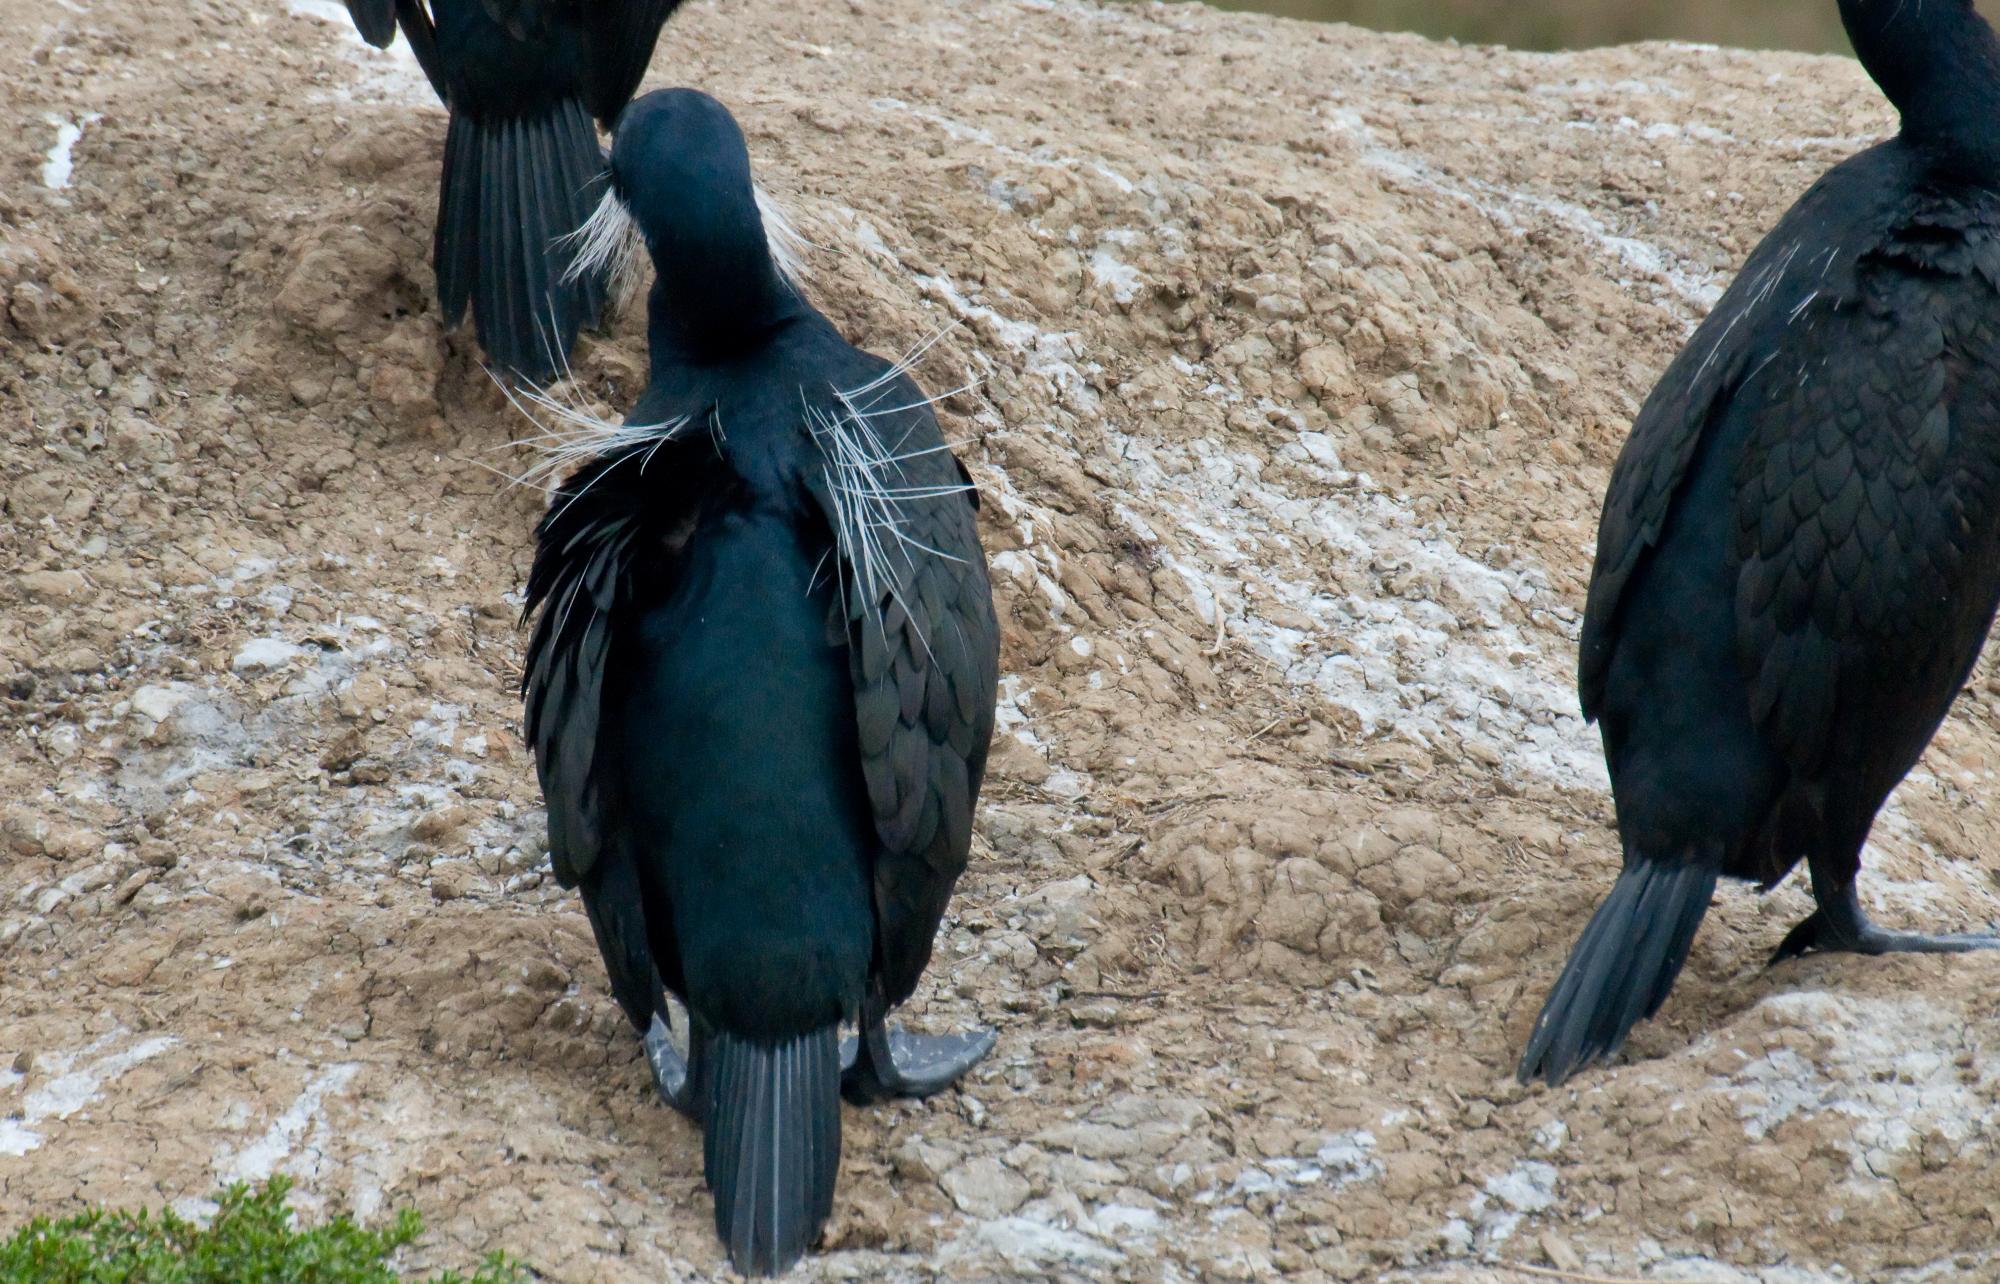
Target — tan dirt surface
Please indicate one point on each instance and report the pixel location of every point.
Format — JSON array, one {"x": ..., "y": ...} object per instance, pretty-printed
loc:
[{"x": 1301, "y": 353}]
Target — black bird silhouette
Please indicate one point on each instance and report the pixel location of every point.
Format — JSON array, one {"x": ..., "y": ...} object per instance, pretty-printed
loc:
[
  {"x": 760, "y": 689},
  {"x": 1799, "y": 555},
  {"x": 522, "y": 167}
]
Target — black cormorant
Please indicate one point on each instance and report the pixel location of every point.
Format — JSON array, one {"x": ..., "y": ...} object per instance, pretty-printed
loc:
[
  {"x": 1799, "y": 554},
  {"x": 760, "y": 689},
  {"x": 522, "y": 80}
]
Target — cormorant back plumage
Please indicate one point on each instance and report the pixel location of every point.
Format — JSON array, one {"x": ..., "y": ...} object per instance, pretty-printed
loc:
[
  {"x": 1799, "y": 553},
  {"x": 760, "y": 690}
]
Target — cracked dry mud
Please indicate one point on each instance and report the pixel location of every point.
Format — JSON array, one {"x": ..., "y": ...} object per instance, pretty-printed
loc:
[{"x": 1301, "y": 355}]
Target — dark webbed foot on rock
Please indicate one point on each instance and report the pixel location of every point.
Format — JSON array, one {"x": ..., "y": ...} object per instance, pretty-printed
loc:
[
  {"x": 1840, "y": 925},
  {"x": 674, "y": 1075},
  {"x": 889, "y": 1063}
]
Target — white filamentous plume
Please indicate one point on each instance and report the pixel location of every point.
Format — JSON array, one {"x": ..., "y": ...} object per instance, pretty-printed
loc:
[
  {"x": 865, "y": 481},
  {"x": 574, "y": 438},
  {"x": 571, "y": 435},
  {"x": 577, "y": 437},
  {"x": 609, "y": 242},
  {"x": 788, "y": 248}
]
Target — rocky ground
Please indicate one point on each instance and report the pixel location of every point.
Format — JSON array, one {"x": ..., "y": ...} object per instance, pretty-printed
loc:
[{"x": 1300, "y": 357}]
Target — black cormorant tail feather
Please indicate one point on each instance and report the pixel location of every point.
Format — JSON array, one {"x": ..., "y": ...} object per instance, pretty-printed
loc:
[
  {"x": 514, "y": 189},
  {"x": 772, "y": 1144},
  {"x": 1623, "y": 965},
  {"x": 375, "y": 20}
]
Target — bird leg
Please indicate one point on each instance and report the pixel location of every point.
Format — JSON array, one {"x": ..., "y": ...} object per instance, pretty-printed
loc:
[
  {"x": 896, "y": 1063},
  {"x": 1840, "y": 924},
  {"x": 678, "y": 1078}
]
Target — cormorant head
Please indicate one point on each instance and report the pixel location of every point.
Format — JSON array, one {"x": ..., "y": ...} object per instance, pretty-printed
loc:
[{"x": 680, "y": 172}]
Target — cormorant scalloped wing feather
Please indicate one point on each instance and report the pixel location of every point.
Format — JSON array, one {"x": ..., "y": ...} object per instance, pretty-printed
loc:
[
  {"x": 924, "y": 654},
  {"x": 1696, "y": 387},
  {"x": 1875, "y": 443}
]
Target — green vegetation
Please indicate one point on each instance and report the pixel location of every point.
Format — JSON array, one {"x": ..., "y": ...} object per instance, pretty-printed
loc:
[{"x": 251, "y": 1240}]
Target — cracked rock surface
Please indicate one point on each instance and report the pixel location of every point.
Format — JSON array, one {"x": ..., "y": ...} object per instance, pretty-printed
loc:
[{"x": 1294, "y": 361}]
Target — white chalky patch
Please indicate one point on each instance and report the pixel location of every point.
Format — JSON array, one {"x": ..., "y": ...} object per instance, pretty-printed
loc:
[
  {"x": 60, "y": 163},
  {"x": 261, "y": 1157},
  {"x": 71, "y": 1089}
]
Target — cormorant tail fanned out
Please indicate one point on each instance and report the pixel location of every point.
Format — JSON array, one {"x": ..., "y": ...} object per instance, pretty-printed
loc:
[
  {"x": 1622, "y": 966},
  {"x": 513, "y": 193},
  {"x": 772, "y": 1144},
  {"x": 523, "y": 80}
]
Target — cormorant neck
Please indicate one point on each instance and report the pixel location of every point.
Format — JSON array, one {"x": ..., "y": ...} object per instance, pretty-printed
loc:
[
  {"x": 699, "y": 313},
  {"x": 1939, "y": 63}
]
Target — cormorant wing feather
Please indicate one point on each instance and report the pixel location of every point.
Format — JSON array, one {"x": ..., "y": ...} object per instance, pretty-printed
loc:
[
  {"x": 1684, "y": 404},
  {"x": 619, "y": 36},
  {"x": 1868, "y": 492},
  {"x": 375, "y": 20},
  {"x": 606, "y": 528},
  {"x": 923, "y": 648},
  {"x": 522, "y": 17}
]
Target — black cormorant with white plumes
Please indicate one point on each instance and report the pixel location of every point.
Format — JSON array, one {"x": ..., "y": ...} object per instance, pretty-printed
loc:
[
  {"x": 760, "y": 689},
  {"x": 1799, "y": 555},
  {"x": 523, "y": 80}
]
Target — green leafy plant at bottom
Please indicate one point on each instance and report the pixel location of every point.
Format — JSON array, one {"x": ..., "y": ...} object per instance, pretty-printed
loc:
[{"x": 250, "y": 1240}]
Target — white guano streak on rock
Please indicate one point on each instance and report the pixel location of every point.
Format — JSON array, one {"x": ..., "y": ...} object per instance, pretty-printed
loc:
[
  {"x": 1404, "y": 665},
  {"x": 1696, "y": 286},
  {"x": 60, "y": 164},
  {"x": 260, "y": 1158},
  {"x": 72, "y": 1090}
]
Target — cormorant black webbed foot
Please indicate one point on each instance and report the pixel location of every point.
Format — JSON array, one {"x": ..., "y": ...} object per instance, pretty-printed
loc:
[
  {"x": 896, "y": 1063},
  {"x": 1839, "y": 924},
  {"x": 673, "y": 1074}
]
